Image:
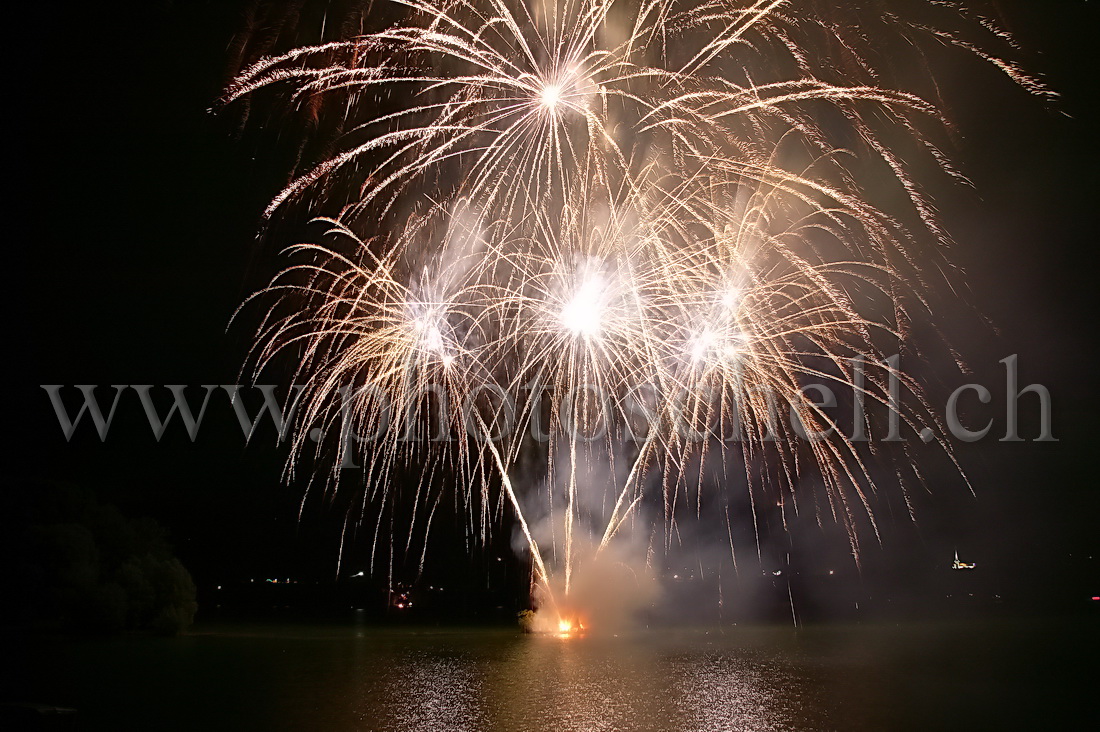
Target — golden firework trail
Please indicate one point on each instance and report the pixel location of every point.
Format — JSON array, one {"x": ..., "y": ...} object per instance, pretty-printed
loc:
[{"x": 711, "y": 203}]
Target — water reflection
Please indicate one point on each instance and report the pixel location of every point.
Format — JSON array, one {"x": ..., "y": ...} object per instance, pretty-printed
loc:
[
  {"x": 721, "y": 692},
  {"x": 303, "y": 677},
  {"x": 576, "y": 684},
  {"x": 427, "y": 692},
  {"x": 508, "y": 682}
]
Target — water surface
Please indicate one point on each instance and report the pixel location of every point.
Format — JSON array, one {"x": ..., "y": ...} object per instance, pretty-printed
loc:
[{"x": 994, "y": 675}]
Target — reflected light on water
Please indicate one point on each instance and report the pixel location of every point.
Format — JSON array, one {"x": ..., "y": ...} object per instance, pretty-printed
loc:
[
  {"x": 301, "y": 677},
  {"x": 588, "y": 684},
  {"x": 429, "y": 694},
  {"x": 722, "y": 693}
]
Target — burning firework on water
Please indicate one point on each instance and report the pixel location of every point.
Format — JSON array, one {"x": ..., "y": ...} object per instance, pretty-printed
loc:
[{"x": 660, "y": 212}]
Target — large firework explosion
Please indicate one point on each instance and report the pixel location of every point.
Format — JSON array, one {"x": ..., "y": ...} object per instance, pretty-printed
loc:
[{"x": 624, "y": 234}]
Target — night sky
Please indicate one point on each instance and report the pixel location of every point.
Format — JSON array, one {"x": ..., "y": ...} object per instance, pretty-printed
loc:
[{"x": 131, "y": 236}]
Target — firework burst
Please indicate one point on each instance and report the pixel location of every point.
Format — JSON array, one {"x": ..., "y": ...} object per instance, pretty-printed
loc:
[{"x": 605, "y": 198}]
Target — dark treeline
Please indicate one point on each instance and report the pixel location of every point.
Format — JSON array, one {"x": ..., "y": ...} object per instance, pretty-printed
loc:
[{"x": 73, "y": 563}]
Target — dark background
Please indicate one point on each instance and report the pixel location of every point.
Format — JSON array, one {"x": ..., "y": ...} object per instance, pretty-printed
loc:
[{"x": 131, "y": 219}]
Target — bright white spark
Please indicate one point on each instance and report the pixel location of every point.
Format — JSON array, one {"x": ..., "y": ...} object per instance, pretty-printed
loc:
[
  {"x": 583, "y": 314},
  {"x": 702, "y": 345},
  {"x": 550, "y": 96},
  {"x": 731, "y": 297}
]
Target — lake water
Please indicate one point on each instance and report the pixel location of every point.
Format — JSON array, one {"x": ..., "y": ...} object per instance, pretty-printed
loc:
[{"x": 993, "y": 675}]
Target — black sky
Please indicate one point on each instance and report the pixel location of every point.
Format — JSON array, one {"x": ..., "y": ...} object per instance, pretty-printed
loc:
[{"x": 131, "y": 215}]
